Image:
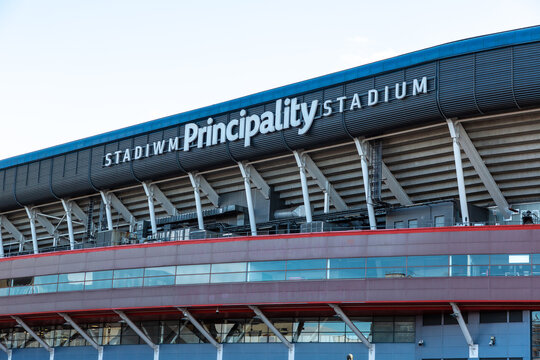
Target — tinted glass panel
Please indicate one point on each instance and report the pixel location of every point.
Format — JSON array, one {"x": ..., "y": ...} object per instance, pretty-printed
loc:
[
  {"x": 427, "y": 260},
  {"x": 133, "y": 282},
  {"x": 192, "y": 279},
  {"x": 386, "y": 262},
  {"x": 306, "y": 275},
  {"x": 71, "y": 286},
  {"x": 193, "y": 269},
  {"x": 515, "y": 316},
  {"x": 347, "y": 263},
  {"x": 386, "y": 272},
  {"x": 228, "y": 277},
  {"x": 346, "y": 273},
  {"x": 492, "y": 317},
  {"x": 71, "y": 277},
  {"x": 431, "y": 319},
  {"x": 128, "y": 273},
  {"x": 99, "y": 275},
  {"x": 306, "y": 264},
  {"x": 266, "y": 276},
  {"x": 98, "y": 284},
  {"x": 47, "y": 279},
  {"x": 159, "y": 280},
  {"x": 160, "y": 271},
  {"x": 448, "y": 319},
  {"x": 267, "y": 265},
  {"x": 231, "y": 267}
]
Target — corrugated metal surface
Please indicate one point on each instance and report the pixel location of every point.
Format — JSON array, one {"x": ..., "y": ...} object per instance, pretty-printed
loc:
[{"x": 527, "y": 74}]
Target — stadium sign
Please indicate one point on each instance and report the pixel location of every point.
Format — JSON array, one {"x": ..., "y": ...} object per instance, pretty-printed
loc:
[{"x": 289, "y": 113}]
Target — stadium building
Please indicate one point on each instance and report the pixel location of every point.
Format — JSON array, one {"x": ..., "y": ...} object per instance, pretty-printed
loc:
[{"x": 388, "y": 211}]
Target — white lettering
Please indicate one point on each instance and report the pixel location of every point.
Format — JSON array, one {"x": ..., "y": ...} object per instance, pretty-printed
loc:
[
  {"x": 252, "y": 127},
  {"x": 327, "y": 108},
  {"x": 279, "y": 125},
  {"x": 127, "y": 156},
  {"x": 159, "y": 147},
  {"x": 341, "y": 101},
  {"x": 117, "y": 154},
  {"x": 420, "y": 88},
  {"x": 373, "y": 97},
  {"x": 230, "y": 135},
  {"x": 218, "y": 133},
  {"x": 173, "y": 144},
  {"x": 267, "y": 123},
  {"x": 308, "y": 116},
  {"x": 138, "y": 152},
  {"x": 108, "y": 160},
  {"x": 190, "y": 134},
  {"x": 400, "y": 94},
  {"x": 355, "y": 102}
]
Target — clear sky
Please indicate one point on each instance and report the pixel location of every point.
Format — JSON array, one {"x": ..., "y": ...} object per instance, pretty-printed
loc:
[{"x": 72, "y": 68}]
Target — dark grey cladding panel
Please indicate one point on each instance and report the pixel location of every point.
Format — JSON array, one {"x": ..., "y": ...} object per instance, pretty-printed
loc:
[
  {"x": 7, "y": 194},
  {"x": 494, "y": 80},
  {"x": 424, "y": 107},
  {"x": 261, "y": 144},
  {"x": 527, "y": 74},
  {"x": 158, "y": 166},
  {"x": 114, "y": 175},
  {"x": 206, "y": 157},
  {"x": 70, "y": 174},
  {"x": 33, "y": 183},
  {"x": 355, "y": 120},
  {"x": 456, "y": 81}
]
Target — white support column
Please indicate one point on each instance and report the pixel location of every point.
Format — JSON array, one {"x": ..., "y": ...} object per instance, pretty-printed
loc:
[
  {"x": 68, "y": 209},
  {"x": 203, "y": 331},
  {"x": 473, "y": 348},
  {"x": 459, "y": 172},
  {"x": 8, "y": 225},
  {"x": 326, "y": 202},
  {"x": 35, "y": 336},
  {"x": 365, "y": 177},
  {"x": 8, "y": 352},
  {"x": 195, "y": 182},
  {"x": 32, "y": 218},
  {"x": 162, "y": 199},
  {"x": 83, "y": 334},
  {"x": 246, "y": 174},
  {"x": 300, "y": 161},
  {"x": 1, "y": 240},
  {"x": 350, "y": 324},
  {"x": 149, "y": 191},
  {"x": 106, "y": 197},
  {"x": 276, "y": 332},
  {"x": 395, "y": 188},
  {"x": 139, "y": 332}
]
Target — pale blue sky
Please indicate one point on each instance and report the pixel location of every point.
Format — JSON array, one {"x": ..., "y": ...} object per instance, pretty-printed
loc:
[{"x": 71, "y": 68}]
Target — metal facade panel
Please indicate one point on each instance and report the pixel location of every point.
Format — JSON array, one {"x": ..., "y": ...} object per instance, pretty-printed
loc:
[
  {"x": 456, "y": 87},
  {"x": 114, "y": 176},
  {"x": 33, "y": 183},
  {"x": 494, "y": 80},
  {"x": 70, "y": 174},
  {"x": 527, "y": 74},
  {"x": 7, "y": 193}
]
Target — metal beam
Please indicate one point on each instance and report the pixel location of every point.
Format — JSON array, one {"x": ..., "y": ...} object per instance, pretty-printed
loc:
[
  {"x": 83, "y": 334},
  {"x": 473, "y": 348},
  {"x": 35, "y": 336},
  {"x": 160, "y": 197},
  {"x": 203, "y": 331},
  {"x": 394, "y": 186},
  {"x": 78, "y": 212},
  {"x": 32, "y": 219},
  {"x": 68, "y": 208},
  {"x": 482, "y": 171},
  {"x": 324, "y": 183},
  {"x": 362, "y": 151},
  {"x": 106, "y": 197},
  {"x": 1, "y": 241},
  {"x": 8, "y": 225},
  {"x": 276, "y": 332},
  {"x": 149, "y": 191},
  {"x": 300, "y": 161},
  {"x": 246, "y": 174},
  {"x": 454, "y": 133},
  {"x": 196, "y": 184},
  {"x": 139, "y": 332},
  {"x": 258, "y": 180},
  {"x": 350, "y": 324},
  {"x": 111, "y": 201},
  {"x": 7, "y": 351},
  {"x": 207, "y": 189}
]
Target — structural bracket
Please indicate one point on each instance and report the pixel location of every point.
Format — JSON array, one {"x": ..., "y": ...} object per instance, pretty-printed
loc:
[
  {"x": 139, "y": 332},
  {"x": 473, "y": 348},
  {"x": 246, "y": 174},
  {"x": 300, "y": 161},
  {"x": 360, "y": 147},
  {"x": 350, "y": 324},
  {"x": 35, "y": 336},
  {"x": 203, "y": 331},
  {"x": 276, "y": 332},
  {"x": 8, "y": 225},
  {"x": 83, "y": 334}
]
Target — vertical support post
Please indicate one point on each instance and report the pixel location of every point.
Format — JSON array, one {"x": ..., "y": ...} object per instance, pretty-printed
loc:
[
  {"x": 204, "y": 332},
  {"x": 35, "y": 336},
  {"x": 303, "y": 181},
  {"x": 195, "y": 182},
  {"x": 276, "y": 332},
  {"x": 245, "y": 170},
  {"x": 67, "y": 208},
  {"x": 8, "y": 352},
  {"x": 108, "y": 208},
  {"x": 326, "y": 202},
  {"x": 32, "y": 218},
  {"x": 473, "y": 348},
  {"x": 1, "y": 240},
  {"x": 151, "y": 209},
  {"x": 459, "y": 172},
  {"x": 365, "y": 178}
]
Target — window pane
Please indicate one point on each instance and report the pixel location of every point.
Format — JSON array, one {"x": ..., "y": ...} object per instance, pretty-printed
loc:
[
  {"x": 510, "y": 270},
  {"x": 193, "y": 269},
  {"x": 404, "y": 337},
  {"x": 535, "y": 258},
  {"x": 397, "y": 272},
  {"x": 458, "y": 271},
  {"x": 478, "y": 259},
  {"x": 439, "y": 221},
  {"x": 399, "y": 225},
  {"x": 46, "y": 279},
  {"x": 72, "y": 286},
  {"x": 479, "y": 270},
  {"x": 23, "y": 281},
  {"x": 515, "y": 316},
  {"x": 347, "y": 263},
  {"x": 266, "y": 276},
  {"x": 20, "y": 290},
  {"x": 228, "y": 277},
  {"x": 230, "y": 267},
  {"x": 431, "y": 319},
  {"x": 192, "y": 279},
  {"x": 519, "y": 259},
  {"x": 386, "y": 261},
  {"x": 99, "y": 275},
  {"x": 159, "y": 280},
  {"x": 413, "y": 223},
  {"x": 99, "y": 284},
  {"x": 306, "y": 275},
  {"x": 160, "y": 271},
  {"x": 487, "y": 317},
  {"x": 267, "y": 265},
  {"x": 458, "y": 259},
  {"x": 4, "y": 291},
  {"x": 71, "y": 277},
  {"x": 329, "y": 325},
  {"x": 379, "y": 337},
  {"x": 122, "y": 283},
  {"x": 448, "y": 319},
  {"x": 128, "y": 273},
  {"x": 438, "y": 260},
  {"x": 306, "y": 264},
  {"x": 499, "y": 259},
  {"x": 331, "y": 337},
  {"x": 42, "y": 289},
  {"x": 347, "y": 273},
  {"x": 430, "y": 271}
]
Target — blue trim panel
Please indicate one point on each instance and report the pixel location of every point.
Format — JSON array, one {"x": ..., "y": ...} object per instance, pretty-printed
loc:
[{"x": 461, "y": 47}]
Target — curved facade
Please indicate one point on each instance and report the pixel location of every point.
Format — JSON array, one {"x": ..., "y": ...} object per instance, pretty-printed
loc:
[{"x": 389, "y": 211}]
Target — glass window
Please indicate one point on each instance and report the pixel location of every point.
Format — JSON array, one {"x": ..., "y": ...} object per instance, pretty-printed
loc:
[
  {"x": 458, "y": 271},
  {"x": 267, "y": 265},
  {"x": 429, "y": 271},
  {"x": 390, "y": 272},
  {"x": 478, "y": 259},
  {"x": 71, "y": 277},
  {"x": 71, "y": 286},
  {"x": 230, "y": 267},
  {"x": 192, "y": 279},
  {"x": 228, "y": 277},
  {"x": 487, "y": 317},
  {"x": 23, "y": 281},
  {"x": 515, "y": 316},
  {"x": 459, "y": 260},
  {"x": 389, "y": 261},
  {"x": 20, "y": 290},
  {"x": 448, "y": 319},
  {"x": 306, "y": 264},
  {"x": 347, "y": 263},
  {"x": 306, "y": 275},
  {"x": 432, "y": 319},
  {"x": 435, "y": 260},
  {"x": 160, "y": 271},
  {"x": 97, "y": 284},
  {"x": 42, "y": 289},
  {"x": 439, "y": 221},
  {"x": 46, "y": 279},
  {"x": 159, "y": 280},
  {"x": 510, "y": 270},
  {"x": 266, "y": 276},
  {"x": 4, "y": 291},
  {"x": 128, "y": 273},
  {"x": 535, "y": 258},
  {"x": 399, "y": 225},
  {"x": 193, "y": 269},
  {"x": 347, "y": 273},
  {"x": 519, "y": 259},
  {"x": 130, "y": 282},
  {"x": 99, "y": 275},
  {"x": 413, "y": 223}
]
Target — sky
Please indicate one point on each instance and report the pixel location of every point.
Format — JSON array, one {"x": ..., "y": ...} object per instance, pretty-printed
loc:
[{"x": 70, "y": 69}]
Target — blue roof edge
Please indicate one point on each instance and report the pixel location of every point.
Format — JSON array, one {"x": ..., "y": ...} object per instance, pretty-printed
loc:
[{"x": 456, "y": 48}]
